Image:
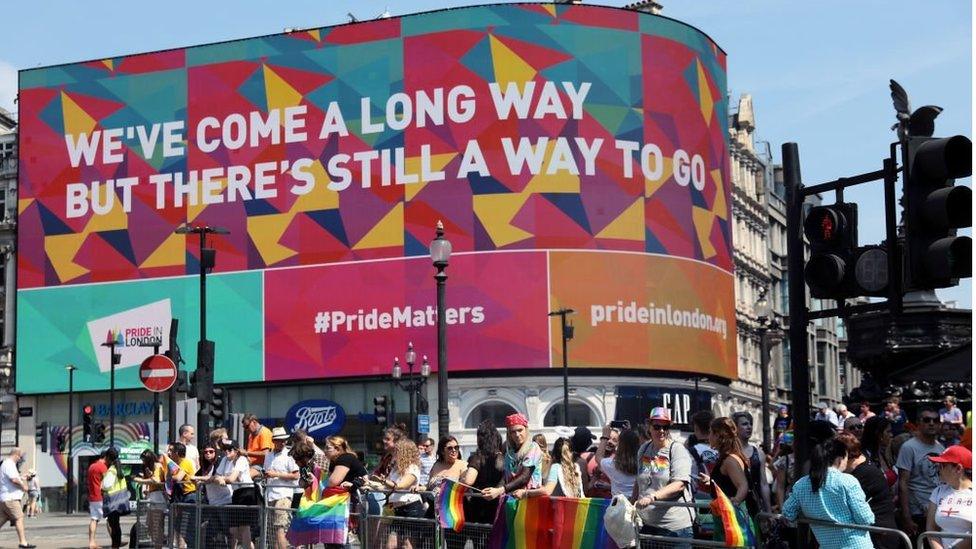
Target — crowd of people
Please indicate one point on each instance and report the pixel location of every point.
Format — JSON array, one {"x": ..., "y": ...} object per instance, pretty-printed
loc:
[{"x": 867, "y": 469}]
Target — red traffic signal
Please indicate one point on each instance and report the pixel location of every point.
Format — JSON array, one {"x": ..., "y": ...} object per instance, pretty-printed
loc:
[
  {"x": 832, "y": 233},
  {"x": 824, "y": 224},
  {"x": 88, "y": 409}
]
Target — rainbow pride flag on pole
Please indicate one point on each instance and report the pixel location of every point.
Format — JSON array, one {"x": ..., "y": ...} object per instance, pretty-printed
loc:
[
  {"x": 450, "y": 505},
  {"x": 736, "y": 524},
  {"x": 322, "y": 515}
]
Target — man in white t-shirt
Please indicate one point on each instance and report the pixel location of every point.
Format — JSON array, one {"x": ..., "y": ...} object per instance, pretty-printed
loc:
[
  {"x": 428, "y": 456},
  {"x": 281, "y": 473},
  {"x": 12, "y": 489},
  {"x": 187, "y": 432}
]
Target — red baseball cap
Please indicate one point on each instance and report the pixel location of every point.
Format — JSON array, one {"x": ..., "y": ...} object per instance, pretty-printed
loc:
[{"x": 960, "y": 455}]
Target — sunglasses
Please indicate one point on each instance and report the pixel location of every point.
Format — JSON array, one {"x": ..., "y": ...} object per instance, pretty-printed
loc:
[
  {"x": 451, "y": 448},
  {"x": 929, "y": 419},
  {"x": 210, "y": 451},
  {"x": 657, "y": 427}
]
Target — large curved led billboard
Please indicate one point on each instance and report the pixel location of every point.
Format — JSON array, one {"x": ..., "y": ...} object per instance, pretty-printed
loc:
[{"x": 577, "y": 156}]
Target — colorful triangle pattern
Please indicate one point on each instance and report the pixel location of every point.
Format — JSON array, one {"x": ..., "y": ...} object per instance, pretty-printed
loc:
[{"x": 651, "y": 81}]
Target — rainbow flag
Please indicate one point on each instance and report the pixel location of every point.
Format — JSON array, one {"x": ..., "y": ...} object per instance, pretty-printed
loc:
[
  {"x": 171, "y": 468},
  {"x": 322, "y": 515},
  {"x": 736, "y": 524},
  {"x": 522, "y": 524},
  {"x": 450, "y": 505},
  {"x": 578, "y": 523},
  {"x": 544, "y": 523}
]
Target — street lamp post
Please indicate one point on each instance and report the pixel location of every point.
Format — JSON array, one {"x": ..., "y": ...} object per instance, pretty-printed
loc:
[
  {"x": 567, "y": 334},
  {"x": 205, "y": 348},
  {"x": 71, "y": 423},
  {"x": 769, "y": 334},
  {"x": 412, "y": 384},
  {"x": 440, "y": 255}
]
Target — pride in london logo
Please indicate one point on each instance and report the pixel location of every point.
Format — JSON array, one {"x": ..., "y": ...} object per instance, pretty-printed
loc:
[
  {"x": 135, "y": 336},
  {"x": 128, "y": 330}
]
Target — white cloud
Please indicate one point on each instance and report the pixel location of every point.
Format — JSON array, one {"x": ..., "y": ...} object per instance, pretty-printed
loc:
[{"x": 8, "y": 86}]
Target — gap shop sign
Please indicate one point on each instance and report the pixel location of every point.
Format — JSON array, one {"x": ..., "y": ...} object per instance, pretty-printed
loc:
[{"x": 320, "y": 418}]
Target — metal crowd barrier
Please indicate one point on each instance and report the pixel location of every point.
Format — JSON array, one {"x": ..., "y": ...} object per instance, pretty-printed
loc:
[
  {"x": 654, "y": 541},
  {"x": 920, "y": 543},
  {"x": 202, "y": 526},
  {"x": 902, "y": 536}
]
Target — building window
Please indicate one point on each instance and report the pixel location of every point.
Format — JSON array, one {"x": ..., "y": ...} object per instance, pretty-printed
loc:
[
  {"x": 494, "y": 410},
  {"x": 579, "y": 414}
]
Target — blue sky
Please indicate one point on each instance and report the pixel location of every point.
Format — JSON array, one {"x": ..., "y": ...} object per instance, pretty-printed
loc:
[{"x": 818, "y": 71}]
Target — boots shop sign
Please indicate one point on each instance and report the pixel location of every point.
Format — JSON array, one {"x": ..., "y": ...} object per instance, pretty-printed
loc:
[{"x": 319, "y": 418}]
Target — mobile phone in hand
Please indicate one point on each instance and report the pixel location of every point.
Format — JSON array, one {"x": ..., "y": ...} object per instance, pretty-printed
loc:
[{"x": 620, "y": 424}]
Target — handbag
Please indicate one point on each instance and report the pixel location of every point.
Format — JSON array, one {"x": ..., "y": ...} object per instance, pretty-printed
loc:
[
  {"x": 116, "y": 496},
  {"x": 622, "y": 521}
]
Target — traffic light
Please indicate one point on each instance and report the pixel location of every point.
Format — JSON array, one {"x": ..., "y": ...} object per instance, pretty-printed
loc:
[
  {"x": 934, "y": 208},
  {"x": 182, "y": 382},
  {"x": 380, "y": 409},
  {"x": 62, "y": 442},
  {"x": 98, "y": 433},
  {"x": 40, "y": 436},
  {"x": 86, "y": 421},
  {"x": 217, "y": 404},
  {"x": 832, "y": 233}
]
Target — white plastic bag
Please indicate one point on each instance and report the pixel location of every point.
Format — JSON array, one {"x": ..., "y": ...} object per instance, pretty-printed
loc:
[
  {"x": 622, "y": 522},
  {"x": 108, "y": 480}
]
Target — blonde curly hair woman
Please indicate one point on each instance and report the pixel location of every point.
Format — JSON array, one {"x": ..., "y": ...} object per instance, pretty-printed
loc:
[{"x": 403, "y": 479}]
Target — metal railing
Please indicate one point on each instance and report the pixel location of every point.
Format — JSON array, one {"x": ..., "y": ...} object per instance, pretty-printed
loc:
[
  {"x": 196, "y": 525},
  {"x": 902, "y": 536},
  {"x": 655, "y": 541},
  {"x": 920, "y": 542}
]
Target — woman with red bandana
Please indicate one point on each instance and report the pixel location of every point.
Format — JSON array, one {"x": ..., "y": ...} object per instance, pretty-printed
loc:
[{"x": 523, "y": 462}]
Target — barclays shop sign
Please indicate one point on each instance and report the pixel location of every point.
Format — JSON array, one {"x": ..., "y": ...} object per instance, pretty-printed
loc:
[{"x": 320, "y": 418}]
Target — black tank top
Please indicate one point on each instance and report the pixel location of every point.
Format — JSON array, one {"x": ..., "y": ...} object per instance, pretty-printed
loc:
[{"x": 725, "y": 483}]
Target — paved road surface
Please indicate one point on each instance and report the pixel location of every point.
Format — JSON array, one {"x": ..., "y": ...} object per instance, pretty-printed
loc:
[{"x": 58, "y": 531}]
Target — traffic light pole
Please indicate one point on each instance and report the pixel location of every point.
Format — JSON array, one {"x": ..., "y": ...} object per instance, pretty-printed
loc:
[
  {"x": 203, "y": 419},
  {"x": 111, "y": 392},
  {"x": 70, "y": 507},
  {"x": 799, "y": 369}
]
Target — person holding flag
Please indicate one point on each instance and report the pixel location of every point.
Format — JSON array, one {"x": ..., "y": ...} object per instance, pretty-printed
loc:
[{"x": 523, "y": 461}]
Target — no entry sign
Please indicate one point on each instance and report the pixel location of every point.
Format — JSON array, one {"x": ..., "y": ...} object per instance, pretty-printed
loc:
[{"x": 158, "y": 373}]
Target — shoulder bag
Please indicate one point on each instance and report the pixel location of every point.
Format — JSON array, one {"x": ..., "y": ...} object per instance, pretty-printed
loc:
[{"x": 116, "y": 495}]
